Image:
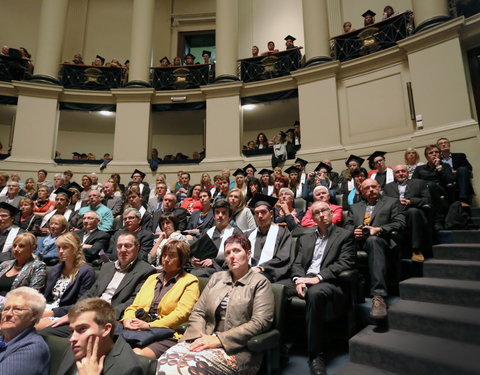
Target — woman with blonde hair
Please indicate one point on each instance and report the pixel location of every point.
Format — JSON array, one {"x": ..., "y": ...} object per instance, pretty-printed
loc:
[
  {"x": 46, "y": 246},
  {"x": 67, "y": 281},
  {"x": 30, "y": 188},
  {"x": 412, "y": 158},
  {"x": 43, "y": 204},
  {"x": 242, "y": 217}
]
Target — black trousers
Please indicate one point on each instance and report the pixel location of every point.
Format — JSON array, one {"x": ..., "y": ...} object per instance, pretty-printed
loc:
[
  {"x": 60, "y": 331},
  {"x": 417, "y": 223},
  {"x": 376, "y": 248},
  {"x": 317, "y": 298}
]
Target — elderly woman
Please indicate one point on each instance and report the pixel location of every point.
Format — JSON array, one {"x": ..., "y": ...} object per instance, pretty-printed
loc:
[
  {"x": 30, "y": 188},
  {"x": 23, "y": 270},
  {"x": 46, "y": 246},
  {"x": 67, "y": 281},
  {"x": 412, "y": 160},
  {"x": 87, "y": 186},
  {"x": 235, "y": 306},
  {"x": 28, "y": 220},
  {"x": 285, "y": 213},
  {"x": 242, "y": 216},
  {"x": 43, "y": 205},
  {"x": 167, "y": 298},
  {"x": 192, "y": 202},
  {"x": 322, "y": 194},
  {"x": 25, "y": 352},
  {"x": 168, "y": 223}
]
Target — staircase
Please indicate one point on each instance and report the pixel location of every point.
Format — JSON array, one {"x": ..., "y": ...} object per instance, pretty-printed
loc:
[{"x": 434, "y": 329}]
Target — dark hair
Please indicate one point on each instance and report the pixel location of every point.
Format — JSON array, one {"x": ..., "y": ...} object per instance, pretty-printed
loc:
[
  {"x": 358, "y": 171},
  {"x": 182, "y": 248},
  {"x": 223, "y": 204},
  {"x": 264, "y": 136},
  {"x": 44, "y": 171},
  {"x": 134, "y": 189},
  {"x": 206, "y": 191},
  {"x": 240, "y": 239},
  {"x": 168, "y": 216},
  {"x": 190, "y": 191},
  {"x": 255, "y": 181},
  {"x": 136, "y": 241},
  {"x": 115, "y": 176},
  {"x": 429, "y": 148}
]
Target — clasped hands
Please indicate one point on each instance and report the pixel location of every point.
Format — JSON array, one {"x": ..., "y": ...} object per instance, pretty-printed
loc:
[
  {"x": 302, "y": 282},
  {"x": 205, "y": 342}
]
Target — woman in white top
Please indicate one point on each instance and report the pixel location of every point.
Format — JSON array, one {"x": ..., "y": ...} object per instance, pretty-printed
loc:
[{"x": 242, "y": 217}]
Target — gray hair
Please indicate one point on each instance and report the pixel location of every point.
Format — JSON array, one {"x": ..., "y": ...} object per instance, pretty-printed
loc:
[
  {"x": 35, "y": 300},
  {"x": 286, "y": 190},
  {"x": 320, "y": 187},
  {"x": 134, "y": 210},
  {"x": 61, "y": 175},
  {"x": 97, "y": 216}
]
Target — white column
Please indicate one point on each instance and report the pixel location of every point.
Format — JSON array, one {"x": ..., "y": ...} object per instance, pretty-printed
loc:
[
  {"x": 315, "y": 25},
  {"x": 50, "y": 40},
  {"x": 141, "y": 42},
  {"x": 426, "y": 10},
  {"x": 226, "y": 40}
]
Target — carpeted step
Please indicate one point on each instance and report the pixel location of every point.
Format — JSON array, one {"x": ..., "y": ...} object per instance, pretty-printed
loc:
[
  {"x": 410, "y": 353},
  {"x": 475, "y": 211},
  {"x": 446, "y": 291},
  {"x": 457, "y": 251},
  {"x": 458, "y": 236},
  {"x": 357, "y": 369},
  {"x": 452, "y": 269},
  {"x": 453, "y": 322},
  {"x": 476, "y": 220}
]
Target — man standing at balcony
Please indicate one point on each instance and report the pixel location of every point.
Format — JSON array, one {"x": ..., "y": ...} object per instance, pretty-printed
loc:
[{"x": 289, "y": 41}]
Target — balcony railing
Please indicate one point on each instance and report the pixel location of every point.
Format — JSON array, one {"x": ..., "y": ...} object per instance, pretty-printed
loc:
[
  {"x": 12, "y": 68},
  {"x": 182, "y": 77},
  {"x": 87, "y": 77},
  {"x": 373, "y": 38},
  {"x": 271, "y": 66}
]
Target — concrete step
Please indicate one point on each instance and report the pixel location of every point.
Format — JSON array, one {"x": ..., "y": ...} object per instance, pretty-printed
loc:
[
  {"x": 357, "y": 369},
  {"x": 446, "y": 291},
  {"x": 452, "y": 269},
  {"x": 452, "y": 322},
  {"x": 475, "y": 211},
  {"x": 458, "y": 236},
  {"x": 466, "y": 251},
  {"x": 409, "y": 353}
]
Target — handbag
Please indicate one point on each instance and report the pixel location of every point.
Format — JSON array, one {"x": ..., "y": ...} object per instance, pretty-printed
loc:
[{"x": 140, "y": 339}]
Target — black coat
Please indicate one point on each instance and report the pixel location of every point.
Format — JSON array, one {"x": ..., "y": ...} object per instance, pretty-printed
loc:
[
  {"x": 99, "y": 241},
  {"x": 417, "y": 192}
]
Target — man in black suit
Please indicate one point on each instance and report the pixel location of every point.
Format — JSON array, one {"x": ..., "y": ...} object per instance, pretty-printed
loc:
[
  {"x": 118, "y": 282},
  {"x": 414, "y": 198},
  {"x": 93, "y": 239},
  {"x": 461, "y": 168},
  {"x": 170, "y": 205},
  {"x": 113, "y": 202},
  {"x": 438, "y": 176},
  {"x": 322, "y": 256},
  {"x": 372, "y": 222},
  {"x": 131, "y": 223}
]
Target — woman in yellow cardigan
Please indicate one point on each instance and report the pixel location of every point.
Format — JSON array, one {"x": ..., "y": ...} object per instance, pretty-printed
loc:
[{"x": 166, "y": 298}]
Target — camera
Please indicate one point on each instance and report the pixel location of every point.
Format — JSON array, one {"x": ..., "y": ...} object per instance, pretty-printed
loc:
[
  {"x": 365, "y": 232},
  {"x": 143, "y": 315}
]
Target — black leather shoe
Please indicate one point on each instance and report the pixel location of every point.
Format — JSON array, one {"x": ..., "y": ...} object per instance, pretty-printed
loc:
[{"x": 317, "y": 365}]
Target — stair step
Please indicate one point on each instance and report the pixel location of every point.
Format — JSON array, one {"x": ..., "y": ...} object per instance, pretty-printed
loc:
[
  {"x": 453, "y": 322},
  {"x": 476, "y": 220},
  {"x": 458, "y": 236},
  {"x": 446, "y": 291},
  {"x": 358, "y": 369},
  {"x": 469, "y": 251},
  {"x": 409, "y": 353},
  {"x": 475, "y": 211},
  {"x": 452, "y": 269}
]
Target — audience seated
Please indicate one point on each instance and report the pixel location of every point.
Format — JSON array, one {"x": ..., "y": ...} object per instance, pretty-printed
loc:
[
  {"x": 24, "y": 352},
  {"x": 181, "y": 190},
  {"x": 201, "y": 220},
  {"x": 166, "y": 299},
  {"x": 322, "y": 255},
  {"x": 28, "y": 221},
  {"x": 351, "y": 189},
  {"x": 23, "y": 269},
  {"x": 137, "y": 178},
  {"x": 381, "y": 173},
  {"x": 240, "y": 181},
  {"x": 95, "y": 204},
  {"x": 295, "y": 185},
  {"x": 322, "y": 194},
  {"x": 94, "y": 343},
  {"x": 62, "y": 203},
  {"x": 235, "y": 306},
  {"x": 12, "y": 197},
  {"x": 170, "y": 205},
  {"x": 67, "y": 281},
  {"x": 285, "y": 213},
  {"x": 372, "y": 222},
  {"x": 111, "y": 200},
  {"x": 8, "y": 230},
  {"x": 412, "y": 160},
  {"x": 43, "y": 205},
  {"x": 224, "y": 187},
  {"x": 93, "y": 240},
  {"x": 134, "y": 199},
  {"x": 192, "y": 202},
  {"x": 319, "y": 177},
  {"x": 242, "y": 216},
  {"x": 271, "y": 49},
  {"x": 415, "y": 203},
  {"x": 46, "y": 246},
  {"x": 156, "y": 202}
]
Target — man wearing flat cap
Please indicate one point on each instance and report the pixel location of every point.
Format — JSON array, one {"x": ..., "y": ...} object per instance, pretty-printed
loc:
[
  {"x": 272, "y": 245},
  {"x": 8, "y": 231}
]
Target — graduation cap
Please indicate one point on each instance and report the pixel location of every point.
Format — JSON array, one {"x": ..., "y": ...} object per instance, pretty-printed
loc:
[
  {"x": 376, "y": 154},
  {"x": 209, "y": 53},
  {"x": 296, "y": 123},
  {"x": 6, "y": 206},
  {"x": 74, "y": 185},
  {"x": 126, "y": 62},
  {"x": 179, "y": 156},
  {"x": 300, "y": 161},
  {"x": 204, "y": 248},
  {"x": 265, "y": 171},
  {"x": 139, "y": 172},
  {"x": 260, "y": 199},
  {"x": 369, "y": 13},
  {"x": 323, "y": 165},
  {"x": 62, "y": 190},
  {"x": 190, "y": 55},
  {"x": 101, "y": 58},
  {"x": 289, "y": 37},
  {"x": 76, "y": 154},
  {"x": 249, "y": 166},
  {"x": 291, "y": 130},
  {"x": 292, "y": 169},
  {"x": 356, "y": 158},
  {"x": 165, "y": 58},
  {"x": 239, "y": 172},
  {"x": 282, "y": 134}
]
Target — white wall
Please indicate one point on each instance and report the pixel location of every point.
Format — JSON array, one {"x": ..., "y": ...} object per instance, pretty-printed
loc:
[{"x": 84, "y": 142}]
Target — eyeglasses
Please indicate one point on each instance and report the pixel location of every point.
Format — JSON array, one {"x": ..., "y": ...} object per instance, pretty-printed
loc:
[
  {"x": 15, "y": 309},
  {"x": 323, "y": 211}
]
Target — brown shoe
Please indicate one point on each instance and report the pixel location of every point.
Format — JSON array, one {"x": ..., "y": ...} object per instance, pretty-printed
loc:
[
  {"x": 379, "y": 308},
  {"x": 418, "y": 257}
]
